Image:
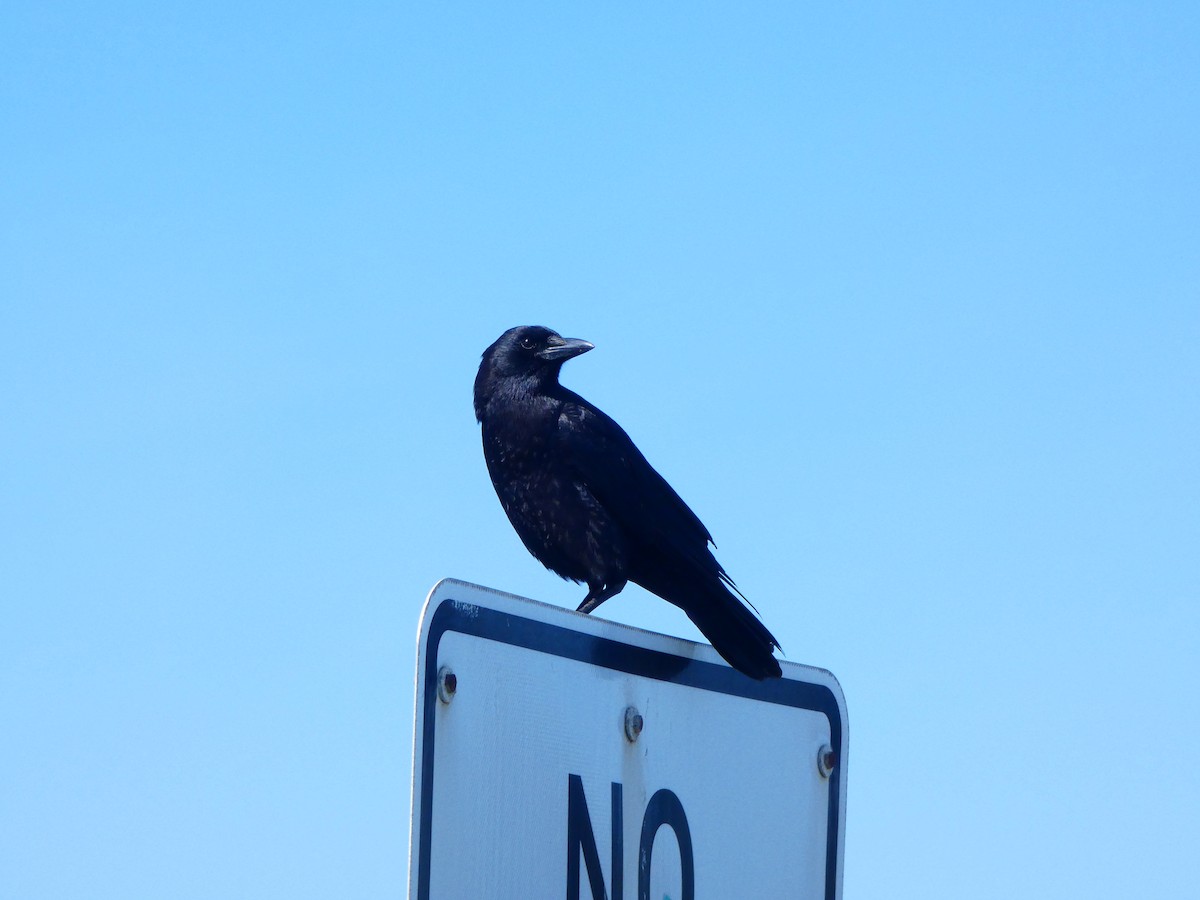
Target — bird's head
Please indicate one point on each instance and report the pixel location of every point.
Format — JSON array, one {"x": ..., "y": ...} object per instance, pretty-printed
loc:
[{"x": 528, "y": 352}]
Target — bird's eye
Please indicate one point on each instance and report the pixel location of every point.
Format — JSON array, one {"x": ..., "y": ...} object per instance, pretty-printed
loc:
[{"x": 527, "y": 343}]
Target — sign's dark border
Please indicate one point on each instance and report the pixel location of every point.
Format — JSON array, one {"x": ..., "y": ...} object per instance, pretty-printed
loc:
[{"x": 480, "y": 621}]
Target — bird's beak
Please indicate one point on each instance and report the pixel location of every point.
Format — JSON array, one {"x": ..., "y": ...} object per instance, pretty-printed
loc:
[{"x": 564, "y": 348}]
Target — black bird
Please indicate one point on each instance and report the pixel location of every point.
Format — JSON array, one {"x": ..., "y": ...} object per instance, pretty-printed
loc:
[{"x": 588, "y": 505}]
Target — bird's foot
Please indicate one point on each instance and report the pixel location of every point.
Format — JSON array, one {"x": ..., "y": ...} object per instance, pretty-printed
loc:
[
  {"x": 589, "y": 603},
  {"x": 598, "y": 594}
]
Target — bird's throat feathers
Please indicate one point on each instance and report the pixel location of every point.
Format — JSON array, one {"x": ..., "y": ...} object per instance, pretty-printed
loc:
[{"x": 530, "y": 391}]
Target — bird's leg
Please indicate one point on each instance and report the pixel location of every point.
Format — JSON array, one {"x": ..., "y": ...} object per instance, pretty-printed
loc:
[{"x": 598, "y": 593}]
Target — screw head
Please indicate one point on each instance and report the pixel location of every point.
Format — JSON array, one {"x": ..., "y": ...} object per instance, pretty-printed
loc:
[
  {"x": 633, "y": 723},
  {"x": 447, "y": 684},
  {"x": 826, "y": 760}
]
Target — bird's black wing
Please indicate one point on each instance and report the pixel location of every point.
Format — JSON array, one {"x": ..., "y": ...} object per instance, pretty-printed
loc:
[
  {"x": 668, "y": 543},
  {"x": 607, "y": 464}
]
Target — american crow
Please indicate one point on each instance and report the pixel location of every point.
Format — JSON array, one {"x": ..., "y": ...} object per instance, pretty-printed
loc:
[{"x": 588, "y": 505}]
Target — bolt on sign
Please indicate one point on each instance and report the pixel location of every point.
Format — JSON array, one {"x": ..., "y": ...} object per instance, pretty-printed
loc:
[{"x": 560, "y": 755}]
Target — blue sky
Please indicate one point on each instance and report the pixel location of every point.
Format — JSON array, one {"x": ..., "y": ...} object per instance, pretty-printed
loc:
[{"x": 903, "y": 299}]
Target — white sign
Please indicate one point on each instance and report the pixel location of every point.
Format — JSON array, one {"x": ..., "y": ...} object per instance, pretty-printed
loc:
[{"x": 560, "y": 755}]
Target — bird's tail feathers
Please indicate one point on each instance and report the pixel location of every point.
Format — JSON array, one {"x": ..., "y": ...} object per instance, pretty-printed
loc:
[
  {"x": 737, "y": 634},
  {"x": 733, "y": 587}
]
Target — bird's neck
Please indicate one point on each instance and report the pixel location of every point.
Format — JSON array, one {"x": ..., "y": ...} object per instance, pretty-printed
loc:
[{"x": 533, "y": 395}]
